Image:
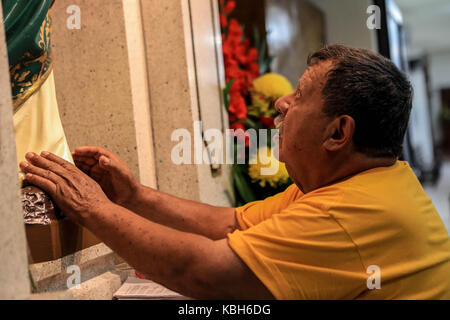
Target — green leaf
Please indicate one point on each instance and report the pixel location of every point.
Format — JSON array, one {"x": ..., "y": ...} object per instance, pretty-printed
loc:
[
  {"x": 226, "y": 93},
  {"x": 263, "y": 62},
  {"x": 241, "y": 184},
  {"x": 256, "y": 37},
  {"x": 229, "y": 84},
  {"x": 249, "y": 123},
  {"x": 265, "y": 65},
  {"x": 262, "y": 53}
]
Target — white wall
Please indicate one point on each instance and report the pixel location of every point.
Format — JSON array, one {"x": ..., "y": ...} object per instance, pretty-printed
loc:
[
  {"x": 206, "y": 82},
  {"x": 439, "y": 72},
  {"x": 346, "y": 23},
  {"x": 14, "y": 283},
  {"x": 420, "y": 119},
  {"x": 440, "y": 69},
  {"x": 140, "y": 91}
]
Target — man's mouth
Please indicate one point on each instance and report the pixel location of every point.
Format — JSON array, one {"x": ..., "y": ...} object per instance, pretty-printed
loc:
[
  {"x": 279, "y": 124},
  {"x": 277, "y": 138}
]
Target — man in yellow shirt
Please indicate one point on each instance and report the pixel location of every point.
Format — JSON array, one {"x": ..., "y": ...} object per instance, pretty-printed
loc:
[{"x": 356, "y": 224}]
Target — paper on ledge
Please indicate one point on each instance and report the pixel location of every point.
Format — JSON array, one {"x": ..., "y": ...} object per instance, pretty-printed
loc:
[{"x": 135, "y": 288}]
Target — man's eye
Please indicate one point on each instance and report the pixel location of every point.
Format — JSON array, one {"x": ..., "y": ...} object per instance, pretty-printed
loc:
[{"x": 298, "y": 94}]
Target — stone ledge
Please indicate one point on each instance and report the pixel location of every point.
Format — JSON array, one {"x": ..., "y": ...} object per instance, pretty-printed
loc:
[
  {"x": 101, "y": 287},
  {"x": 52, "y": 275},
  {"x": 57, "y": 295}
]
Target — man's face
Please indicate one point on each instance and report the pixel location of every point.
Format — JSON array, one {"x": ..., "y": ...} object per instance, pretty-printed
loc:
[{"x": 301, "y": 121}]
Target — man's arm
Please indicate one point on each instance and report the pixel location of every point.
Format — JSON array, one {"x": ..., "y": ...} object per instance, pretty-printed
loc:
[
  {"x": 121, "y": 187},
  {"x": 188, "y": 263},
  {"x": 184, "y": 215}
]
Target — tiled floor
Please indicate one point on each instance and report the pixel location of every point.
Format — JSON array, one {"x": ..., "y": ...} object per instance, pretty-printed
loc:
[{"x": 440, "y": 195}]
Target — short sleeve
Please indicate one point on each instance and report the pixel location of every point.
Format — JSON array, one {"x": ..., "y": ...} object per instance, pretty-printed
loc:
[
  {"x": 302, "y": 253},
  {"x": 255, "y": 212}
]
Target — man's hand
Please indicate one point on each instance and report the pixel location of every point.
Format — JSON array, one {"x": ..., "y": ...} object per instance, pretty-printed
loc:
[
  {"x": 109, "y": 171},
  {"x": 123, "y": 189},
  {"x": 74, "y": 192}
]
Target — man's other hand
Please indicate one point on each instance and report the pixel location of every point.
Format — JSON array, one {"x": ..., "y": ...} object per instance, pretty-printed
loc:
[
  {"x": 111, "y": 173},
  {"x": 74, "y": 192}
]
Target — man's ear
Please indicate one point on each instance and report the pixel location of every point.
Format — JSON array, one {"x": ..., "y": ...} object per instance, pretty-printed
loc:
[{"x": 339, "y": 133}]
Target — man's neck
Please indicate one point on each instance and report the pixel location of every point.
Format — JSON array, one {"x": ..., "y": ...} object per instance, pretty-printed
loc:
[{"x": 342, "y": 169}]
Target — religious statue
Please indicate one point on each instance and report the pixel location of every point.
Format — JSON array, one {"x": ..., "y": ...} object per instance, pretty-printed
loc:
[{"x": 37, "y": 124}]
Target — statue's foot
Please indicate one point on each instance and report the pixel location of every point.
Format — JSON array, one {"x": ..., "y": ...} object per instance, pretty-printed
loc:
[{"x": 38, "y": 207}]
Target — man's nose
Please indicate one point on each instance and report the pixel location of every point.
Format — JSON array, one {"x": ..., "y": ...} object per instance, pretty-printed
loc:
[{"x": 282, "y": 104}]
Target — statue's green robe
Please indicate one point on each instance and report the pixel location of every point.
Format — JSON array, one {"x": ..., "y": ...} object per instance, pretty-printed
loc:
[{"x": 37, "y": 124}]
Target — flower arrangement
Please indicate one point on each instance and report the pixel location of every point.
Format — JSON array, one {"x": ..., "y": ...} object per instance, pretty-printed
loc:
[
  {"x": 265, "y": 91},
  {"x": 249, "y": 96},
  {"x": 264, "y": 158},
  {"x": 241, "y": 63}
]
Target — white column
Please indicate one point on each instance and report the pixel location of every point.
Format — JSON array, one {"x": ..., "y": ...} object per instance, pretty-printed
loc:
[{"x": 14, "y": 281}]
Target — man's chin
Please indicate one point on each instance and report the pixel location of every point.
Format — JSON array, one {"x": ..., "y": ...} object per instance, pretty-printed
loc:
[
  {"x": 277, "y": 152},
  {"x": 276, "y": 146}
]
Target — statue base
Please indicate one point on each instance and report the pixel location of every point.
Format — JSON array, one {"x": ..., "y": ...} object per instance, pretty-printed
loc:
[
  {"x": 57, "y": 239},
  {"x": 50, "y": 235}
]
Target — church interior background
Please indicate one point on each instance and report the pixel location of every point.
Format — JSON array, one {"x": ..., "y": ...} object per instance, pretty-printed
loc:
[{"x": 124, "y": 74}]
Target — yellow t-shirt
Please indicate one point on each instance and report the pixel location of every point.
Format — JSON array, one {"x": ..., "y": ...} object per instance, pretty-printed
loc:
[{"x": 329, "y": 243}]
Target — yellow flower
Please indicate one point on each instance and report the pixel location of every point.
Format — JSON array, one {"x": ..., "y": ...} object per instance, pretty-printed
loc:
[
  {"x": 266, "y": 160},
  {"x": 266, "y": 89}
]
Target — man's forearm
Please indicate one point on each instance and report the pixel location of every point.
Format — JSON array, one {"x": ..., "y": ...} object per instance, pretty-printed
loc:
[
  {"x": 187, "y": 263},
  {"x": 184, "y": 215},
  {"x": 169, "y": 256}
]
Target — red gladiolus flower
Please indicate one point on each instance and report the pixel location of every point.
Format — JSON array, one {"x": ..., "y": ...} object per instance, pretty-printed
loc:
[
  {"x": 253, "y": 54},
  {"x": 240, "y": 61},
  {"x": 234, "y": 28},
  {"x": 246, "y": 44},
  {"x": 237, "y": 105},
  {"x": 237, "y": 126},
  {"x": 240, "y": 85},
  {"x": 254, "y": 69},
  {"x": 267, "y": 122},
  {"x": 223, "y": 21},
  {"x": 239, "y": 134},
  {"x": 231, "y": 117},
  {"x": 232, "y": 69},
  {"x": 241, "y": 55},
  {"x": 229, "y": 7}
]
